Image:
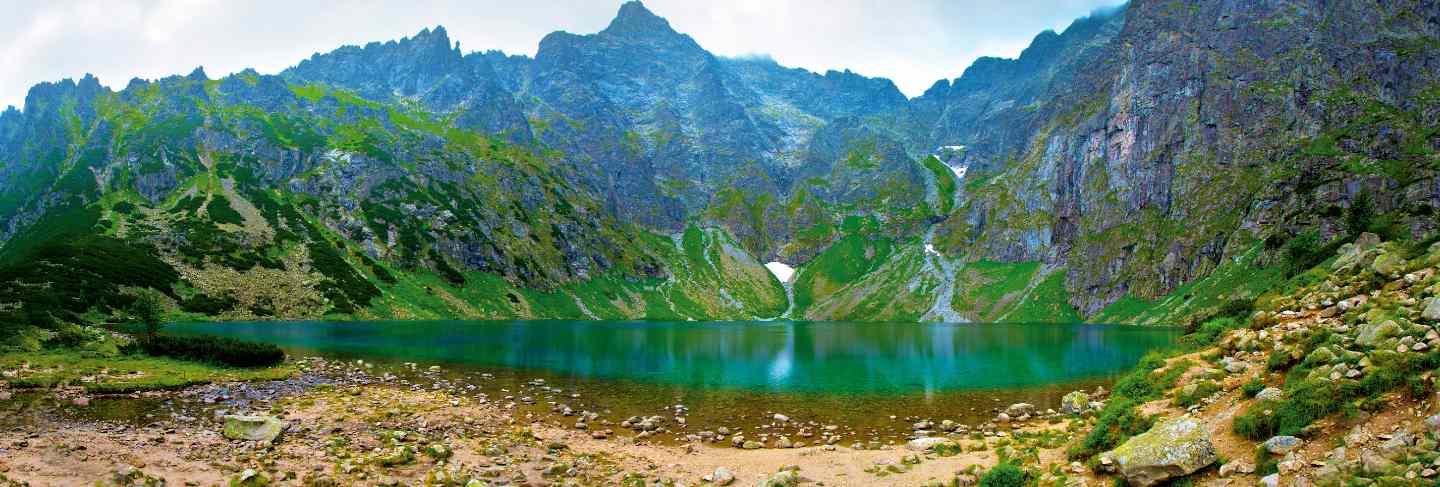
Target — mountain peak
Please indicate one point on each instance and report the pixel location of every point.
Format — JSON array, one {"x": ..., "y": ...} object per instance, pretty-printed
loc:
[{"x": 634, "y": 18}]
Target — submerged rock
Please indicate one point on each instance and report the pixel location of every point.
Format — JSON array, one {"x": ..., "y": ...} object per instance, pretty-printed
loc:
[
  {"x": 1172, "y": 448},
  {"x": 264, "y": 429}
]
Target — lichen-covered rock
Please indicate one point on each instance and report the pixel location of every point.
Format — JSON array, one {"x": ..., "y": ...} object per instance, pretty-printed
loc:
[
  {"x": 1281, "y": 445},
  {"x": 1172, "y": 448},
  {"x": 249, "y": 478},
  {"x": 1020, "y": 409},
  {"x": 1432, "y": 310},
  {"x": 1372, "y": 333},
  {"x": 923, "y": 444},
  {"x": 783, "y": 478},
  {"x": 1075, "y": 402},
  {"x": 1270, "y": 394},
  {"x": 260, "y": 428},
  {"x": 1388, "y": 264}
]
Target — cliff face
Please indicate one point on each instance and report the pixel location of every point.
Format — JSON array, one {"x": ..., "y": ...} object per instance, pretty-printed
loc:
[{"x": 1175, "y": 135}]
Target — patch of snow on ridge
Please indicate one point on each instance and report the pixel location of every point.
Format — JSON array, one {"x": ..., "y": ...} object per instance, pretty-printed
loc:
[
  {"x": 781, "y": 271},
  {"x": 959, "y": 171}
]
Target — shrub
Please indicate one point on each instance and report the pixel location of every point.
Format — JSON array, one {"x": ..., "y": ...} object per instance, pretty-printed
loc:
[
  {"x": 214, "y": 350},
  {"x": 1252, "y": 388},
  {"x": 1119, "y": 420},
  {"x": 68, "y": 337},
  {"x": 1210, "y": 331},
  {"x": 1258, "y": 422},
  {"x": 208, "y": 305},
  {"x": 1302, "y": 252},
  {"x": 1004, "y": 475},
  {"x": 1202, "y": 390}
]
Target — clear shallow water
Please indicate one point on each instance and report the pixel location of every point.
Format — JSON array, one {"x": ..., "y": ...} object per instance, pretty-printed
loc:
[{"x": 826, "y": 358}]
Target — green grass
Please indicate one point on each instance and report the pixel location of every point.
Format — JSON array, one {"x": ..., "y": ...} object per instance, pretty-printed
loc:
[
  {"x": 120, "y": 373},
  {"x": 987, "y": 290},
  {"x": 1240, "y": 280},
  {"x": 944, "y": 182},
  {"x": 1047, "y": 302}
]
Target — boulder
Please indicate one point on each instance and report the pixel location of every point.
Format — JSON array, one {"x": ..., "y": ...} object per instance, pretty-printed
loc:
[
  {"x": 1388, "y": 264},
  {"x": 264, "y": 429},
  {"x": 1322, "y": 355},
  {"x": 1270, "y": 394},
  {"x": 1020, "y": 409},
  {"x": 1433, "y": 423},
  {"x": 1281, "y": 445},
  {"x": 1372, "y": 333},
  {"x": 722, "y": 476},
  {"x": 1233, "y": 366},
  {"x": 1075, "y": 402},
  {"x": 783, "y": 478},
  {"x": 923, "y": 444},
  {"x": 1432, "y": 310},
  {"x": 1172, "y": 448},
  {"x": 249, "y": 478}
]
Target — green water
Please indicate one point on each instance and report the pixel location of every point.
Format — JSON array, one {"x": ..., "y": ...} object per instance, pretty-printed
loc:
[{"x": 804, "y": 357}]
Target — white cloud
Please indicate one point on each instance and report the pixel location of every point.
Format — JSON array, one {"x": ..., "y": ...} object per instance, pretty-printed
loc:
[{"x": 913, "y": 43}]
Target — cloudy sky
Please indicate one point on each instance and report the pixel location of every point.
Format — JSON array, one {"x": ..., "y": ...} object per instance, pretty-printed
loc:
[{"x": 913, "y": 42}]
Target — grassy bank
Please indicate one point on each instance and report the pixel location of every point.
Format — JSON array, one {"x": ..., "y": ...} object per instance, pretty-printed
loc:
[{"x": 121, "y": 373}]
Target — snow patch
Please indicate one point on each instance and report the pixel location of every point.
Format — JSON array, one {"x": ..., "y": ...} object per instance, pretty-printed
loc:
[
  {"x": 781, "y": 271},
  {"x": 959, "y": 171},
  {"x": 930, "y": 250}
]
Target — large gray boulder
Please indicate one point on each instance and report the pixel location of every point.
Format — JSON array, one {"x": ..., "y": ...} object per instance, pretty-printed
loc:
[
  {"x": 264, "y": 429},
  {"x": 1172, "y": 448}
]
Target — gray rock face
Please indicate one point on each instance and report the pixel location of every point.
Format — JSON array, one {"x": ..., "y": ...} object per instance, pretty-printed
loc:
[
  {"x": 1270, "y": 394},
  {"x": 1172, "y": 448}
]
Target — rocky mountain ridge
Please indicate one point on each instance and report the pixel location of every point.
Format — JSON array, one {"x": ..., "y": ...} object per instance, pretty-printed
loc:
[{"x": 1120, "y": 170}]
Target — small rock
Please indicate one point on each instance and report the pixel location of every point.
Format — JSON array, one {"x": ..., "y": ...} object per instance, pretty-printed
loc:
[
  {"x": 1236, "y": 467},
  {"x": 722, "y": 476},
  {"x": 263, "y": 429},
  {"x": 923, "y": 444},
  {"x": 1272, "y": 480},
  {"x": 1270, "y": 394},
  {"x": 1281, "y": 445}
]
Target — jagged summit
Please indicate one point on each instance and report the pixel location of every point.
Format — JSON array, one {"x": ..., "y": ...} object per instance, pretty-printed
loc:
[{"x": 634, "y": 18}]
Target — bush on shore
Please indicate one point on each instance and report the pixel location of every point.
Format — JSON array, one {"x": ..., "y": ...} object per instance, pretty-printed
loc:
[{"x": 213, "y": 350}]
